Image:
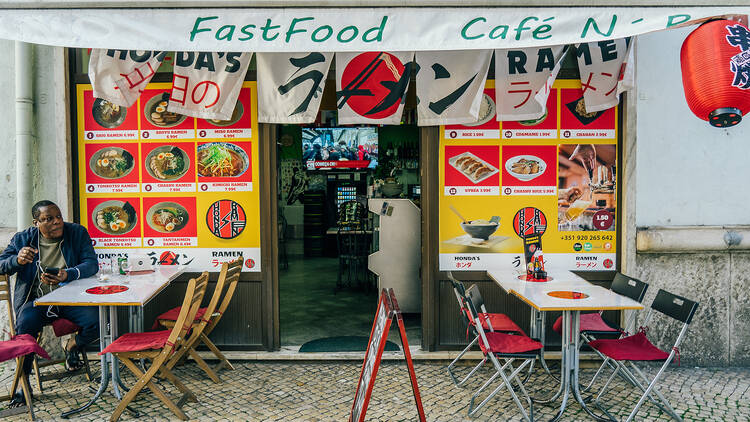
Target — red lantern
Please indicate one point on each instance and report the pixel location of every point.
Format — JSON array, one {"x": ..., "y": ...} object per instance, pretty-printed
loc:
[{"x": 716, "y": 72}]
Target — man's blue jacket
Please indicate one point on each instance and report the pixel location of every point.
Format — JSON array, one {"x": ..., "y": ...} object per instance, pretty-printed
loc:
[{"x": 76, "y": 249}]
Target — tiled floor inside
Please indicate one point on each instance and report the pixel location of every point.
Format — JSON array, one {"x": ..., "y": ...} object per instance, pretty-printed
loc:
[{"x": 310, "y": 306}]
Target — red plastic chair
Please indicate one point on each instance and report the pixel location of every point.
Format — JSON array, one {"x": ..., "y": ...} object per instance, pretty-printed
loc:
[
  {"x": 639, "y": 348},
  {"x": 490, "y": 322},
  {"x": 509, "y": 347},
  {"x": 19, "y": 347}
]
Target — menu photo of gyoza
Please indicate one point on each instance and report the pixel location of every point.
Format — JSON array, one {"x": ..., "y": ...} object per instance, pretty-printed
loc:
[{"x": 586, "y": 195}]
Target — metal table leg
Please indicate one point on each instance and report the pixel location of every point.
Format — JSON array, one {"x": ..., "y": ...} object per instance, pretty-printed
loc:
[
  {"x": 104, "y": 340},
  {"x": 565, "y": 364},
  {"x": 574, "y": 364}
]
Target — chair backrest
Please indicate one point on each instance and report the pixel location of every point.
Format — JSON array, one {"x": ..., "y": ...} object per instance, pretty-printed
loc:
[
  {"x": 460, "y": 291},
  {"x": 6, "y": 296},
  {"x": 196, "y": 288},
  {"x": 629, "y": 286},
  {"x": 674, "y": 306},
  {"x": 228, "y": 279},
  {"x": 472, "y": 293},
  {"x": 476, "y": 322}
]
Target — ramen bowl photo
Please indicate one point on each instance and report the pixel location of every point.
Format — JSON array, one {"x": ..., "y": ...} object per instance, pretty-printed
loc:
[{"x": 480, "y": 229}]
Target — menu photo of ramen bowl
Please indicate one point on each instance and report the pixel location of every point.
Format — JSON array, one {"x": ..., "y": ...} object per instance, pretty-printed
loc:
[
  {"x": 107, "y": 114},
  {"x": 487, "y": 110},
  {"x": 167, "y": 163},
  {"x": 525, "y": 167},
  {"x": 167, "y": 217},
  {"x": 471, "y": 166},
  {"x": 236, "y": 115},
  {"x": 156, "y": 112},
  {"x": 114, "y": 217},
  {"x": 111, "y": 163},
  {"x": 221, "y": 159}
]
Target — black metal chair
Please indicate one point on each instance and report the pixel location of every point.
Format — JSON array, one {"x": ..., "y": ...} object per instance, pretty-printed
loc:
[
  {"x": 639, "y": 348},
  {"x": 594, "y": 326}
]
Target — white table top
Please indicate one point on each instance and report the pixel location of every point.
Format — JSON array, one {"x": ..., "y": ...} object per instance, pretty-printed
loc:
[
  {"x": 141, "y": 289},
  {"x": 537, "y": 294}
]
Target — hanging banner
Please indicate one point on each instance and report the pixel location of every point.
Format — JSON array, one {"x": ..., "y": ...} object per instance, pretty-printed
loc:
[
  {"x": 627, "y": 71},
  {"x": 508, "y": 187},
  {"x": 180, "y": 190},
  {"x": 371, "y": 86},
  {"x": 450, "y": 85},
  {"x": 119, "y": 76},
  {"x": 523, "y": 78},
  {"x": 323, "y": 29},
  {"x": 206, "y": 85},
  {"x": 601, "y": 65},
  {"x": 290, "y": 86}
]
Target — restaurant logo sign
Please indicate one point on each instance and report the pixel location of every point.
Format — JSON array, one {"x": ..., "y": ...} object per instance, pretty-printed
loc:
[
  {"x": 226, "y": 219},
  {"x": 528, "y": 221}
]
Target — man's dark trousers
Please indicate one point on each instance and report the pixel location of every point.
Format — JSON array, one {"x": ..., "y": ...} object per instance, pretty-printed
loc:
[{"x": 31, "y": 319}]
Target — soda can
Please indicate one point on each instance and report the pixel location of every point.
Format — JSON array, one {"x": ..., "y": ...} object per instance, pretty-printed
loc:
[{"x": 121, "y": 263}]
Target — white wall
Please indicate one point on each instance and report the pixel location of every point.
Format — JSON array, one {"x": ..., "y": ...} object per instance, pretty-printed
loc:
[
  {"x": 688, "y": 172},
  {"x": 50, "y": 150}
]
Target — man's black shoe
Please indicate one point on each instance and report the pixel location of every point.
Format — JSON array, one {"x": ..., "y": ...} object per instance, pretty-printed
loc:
[
  {"x": 73, "y": 359},
  {"x": 18, "y": 399}
]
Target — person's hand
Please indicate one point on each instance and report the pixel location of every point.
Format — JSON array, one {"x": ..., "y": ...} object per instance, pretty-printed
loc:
[
  {"x": 586, "y": 153},
  {"x": 26, "y": 255},
  {"x": 569, "y": 195},
  {"x": 54, "y": 279}
]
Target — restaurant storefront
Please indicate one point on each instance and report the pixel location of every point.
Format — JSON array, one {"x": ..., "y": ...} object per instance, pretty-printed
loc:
[{"x": 528, "y": 173}]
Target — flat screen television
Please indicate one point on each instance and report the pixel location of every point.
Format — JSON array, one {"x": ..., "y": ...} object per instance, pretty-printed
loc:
[{"x": 339, "y": 147}]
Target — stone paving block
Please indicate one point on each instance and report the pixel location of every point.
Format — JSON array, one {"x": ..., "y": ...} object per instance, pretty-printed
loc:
[{"x": 323, "y": 391}]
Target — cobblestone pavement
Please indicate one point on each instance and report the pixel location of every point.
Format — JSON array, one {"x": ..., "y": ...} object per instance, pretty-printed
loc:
[{"x": 323, "y": 391}]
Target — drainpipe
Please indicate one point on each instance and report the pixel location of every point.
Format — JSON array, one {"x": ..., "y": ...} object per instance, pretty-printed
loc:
[{"x": 24, "y": 121}]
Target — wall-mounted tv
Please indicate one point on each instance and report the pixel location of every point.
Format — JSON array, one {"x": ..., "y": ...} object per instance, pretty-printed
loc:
[{"x": 339, "y": 147}]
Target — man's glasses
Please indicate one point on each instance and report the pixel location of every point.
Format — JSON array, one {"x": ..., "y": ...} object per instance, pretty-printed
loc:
[{"x": 49, "y": 219}]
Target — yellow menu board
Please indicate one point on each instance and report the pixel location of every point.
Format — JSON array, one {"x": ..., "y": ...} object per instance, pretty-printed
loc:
[
  {"x": 181, "y": 190},
  {"x": 555, "y": 176}
]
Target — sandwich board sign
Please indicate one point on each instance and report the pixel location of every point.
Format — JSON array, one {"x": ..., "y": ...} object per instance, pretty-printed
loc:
[{"x": 388, "y": 311}]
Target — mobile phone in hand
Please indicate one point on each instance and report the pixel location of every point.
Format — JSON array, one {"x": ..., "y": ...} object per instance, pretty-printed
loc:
[{"x": 51, "y": 270}]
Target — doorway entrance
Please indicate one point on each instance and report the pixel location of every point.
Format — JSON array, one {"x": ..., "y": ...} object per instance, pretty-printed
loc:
[{"x": 327, "y": 229}]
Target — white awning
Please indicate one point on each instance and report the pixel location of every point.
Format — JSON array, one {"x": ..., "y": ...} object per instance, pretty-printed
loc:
[{"x": 341, "y": 29}]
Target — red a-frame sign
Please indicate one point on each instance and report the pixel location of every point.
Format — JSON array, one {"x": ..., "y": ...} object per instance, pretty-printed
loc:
[{"x": 388, "y": 310}]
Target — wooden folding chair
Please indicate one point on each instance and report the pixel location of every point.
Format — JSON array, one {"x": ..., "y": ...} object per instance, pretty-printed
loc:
[
  {"x": 206, "y": 320},
  {"x": 20, "y": 347},
  {"x": 158, "y": 346}
]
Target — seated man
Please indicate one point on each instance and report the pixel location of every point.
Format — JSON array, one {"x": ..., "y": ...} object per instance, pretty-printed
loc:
[{"x": 43, "y": 256}]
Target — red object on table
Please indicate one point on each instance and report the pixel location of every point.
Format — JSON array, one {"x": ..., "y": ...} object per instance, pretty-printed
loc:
[
  {"x": 525, "y": 277},
  {"x": 107, "y": 290},
  {"x": 713, "y": 91}
]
